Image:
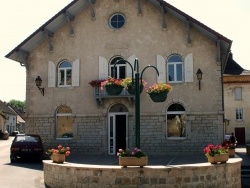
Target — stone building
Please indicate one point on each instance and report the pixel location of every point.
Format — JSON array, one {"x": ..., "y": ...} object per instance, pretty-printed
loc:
[
  {"x": 237, "y": 91},
  {"x": 82, "y": 42}
]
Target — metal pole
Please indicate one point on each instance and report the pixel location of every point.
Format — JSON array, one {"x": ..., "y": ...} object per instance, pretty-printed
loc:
[{"x": 137, "y": 110}]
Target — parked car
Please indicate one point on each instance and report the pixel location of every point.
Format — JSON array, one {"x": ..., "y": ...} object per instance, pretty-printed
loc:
[
  {"x": 14, "y": 133},
  {"x": 26, "y": 146}
]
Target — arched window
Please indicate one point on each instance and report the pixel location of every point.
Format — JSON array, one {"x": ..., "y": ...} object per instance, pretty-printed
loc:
[
  {"x": 176, "y": 121},
  {"x": 117, "y": 21},
  {"x": 120, "y": 68},
  {"x": 175, "y": 69},
  {"x": 64, "y": 128},
  {"x": 65, "y": 74}
]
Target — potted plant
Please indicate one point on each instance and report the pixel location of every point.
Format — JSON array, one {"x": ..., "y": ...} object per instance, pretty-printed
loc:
[
  {"x": 230, "y": 147},
  {"x": 113, "y": 86},
  {"x": 132, "y": 158},
  {"x": 96, "y": 83},
  {"x": 58, "y": 155},
  {"x": 216, "y": 153},
  {"x": 158, "y": 92},
  {"x": 129, "y": 84}
]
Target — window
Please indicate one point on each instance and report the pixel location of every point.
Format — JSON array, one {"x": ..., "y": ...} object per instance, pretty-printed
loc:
[
  {"x": 239, "y": 114},
  {"x": 238, "y": 93},
  {"x": 117, "y": 21},
  {"x": 176, "y": 121},
  {"x": 64, "y": 122},
  {"x": 120, "y": 68},
  {"x": 65, "y": 74},
  {"x": 175, "y": 69}
]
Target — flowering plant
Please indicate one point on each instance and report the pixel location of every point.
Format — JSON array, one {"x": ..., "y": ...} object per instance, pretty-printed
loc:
[
  {"x": 127, "y": 153},
  {"x": 212, "y": 150},
  {"x": 60, "y": 150},
  {"x": 159, "y": 87},
  {"x": 96, "y": 83},
  {"x": 128, "y": 82},
  {"x": 111, "y": 81},
  {"x": 228, "y": 145}
]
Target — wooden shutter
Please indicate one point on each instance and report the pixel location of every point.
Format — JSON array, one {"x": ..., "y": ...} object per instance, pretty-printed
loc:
[
  {"x": 161, "y": 66},
  {"x": 75, "y": 72},
  {"x": 103, "y": 68},
  {"x": 131, "y": 60},
  {"x": 188, "y": 66},
  {"x": 51, "y": 74}
]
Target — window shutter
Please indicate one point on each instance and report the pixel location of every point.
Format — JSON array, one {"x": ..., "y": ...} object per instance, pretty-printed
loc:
[
  {"x": 51, "y": 74},
  {"x": 188, "y": 66},
  {"x": 161, "y": 66},
  {"x": 103, "y": 68},
  {"x": 131, "y": 60},
  {"x": 75, "y": 72}
]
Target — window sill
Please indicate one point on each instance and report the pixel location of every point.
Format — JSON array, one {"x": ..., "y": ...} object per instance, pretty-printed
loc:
[
  {"x": 176, "y": 138},
  {"x": 70, "y": 138}
]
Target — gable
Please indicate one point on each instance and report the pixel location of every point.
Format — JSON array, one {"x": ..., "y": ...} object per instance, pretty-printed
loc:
[{"x": 67, "y": 15}]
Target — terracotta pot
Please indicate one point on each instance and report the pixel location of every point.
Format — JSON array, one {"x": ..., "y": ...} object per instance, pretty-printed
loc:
[
  {"x": 58, "y": 158},
  {"x": 231, "y": 152},
  {"x": 133, "y": 161},
  {"x": 158, "y": 97},
  {"x": 223, "y": 158}
]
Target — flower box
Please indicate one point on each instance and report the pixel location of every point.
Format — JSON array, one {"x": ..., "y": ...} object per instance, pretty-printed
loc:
[
  {"x": 58, "y": 158},
  {"x": 133, "y": 161},
  {"x": 222, "y": 158},
  {"x": 231, "y": 152}
]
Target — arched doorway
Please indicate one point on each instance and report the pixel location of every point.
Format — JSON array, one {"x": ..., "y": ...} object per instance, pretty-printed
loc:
[{"x": 117, "y": 128}]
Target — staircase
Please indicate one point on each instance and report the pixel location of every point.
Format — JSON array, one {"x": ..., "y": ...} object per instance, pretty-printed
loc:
[{"x": 245, "y": 176}]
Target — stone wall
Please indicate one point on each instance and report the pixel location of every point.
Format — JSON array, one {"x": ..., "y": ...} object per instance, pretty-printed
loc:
[{"x": 94, "y": 176}]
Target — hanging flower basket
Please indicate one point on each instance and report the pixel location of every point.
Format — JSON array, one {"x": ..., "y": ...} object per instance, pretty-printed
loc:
[
  {"x": 159, "y": 97},
  {"x": 113, "y": 89},
  {"x": 131, "y": 89}
]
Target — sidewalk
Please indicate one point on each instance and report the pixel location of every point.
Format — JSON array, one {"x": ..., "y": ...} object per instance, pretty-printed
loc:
[{"x": 153, "y": 160}]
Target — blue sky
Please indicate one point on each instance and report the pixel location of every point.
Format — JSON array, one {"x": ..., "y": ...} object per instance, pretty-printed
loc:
[{"x": 19, "y": 19}]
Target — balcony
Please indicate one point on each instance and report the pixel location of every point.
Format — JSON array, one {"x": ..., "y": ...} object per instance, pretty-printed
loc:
[{"x": 100, "y": 95}]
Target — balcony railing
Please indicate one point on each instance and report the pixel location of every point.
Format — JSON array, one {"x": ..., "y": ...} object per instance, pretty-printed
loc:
[{"x": 100, "y": 95}]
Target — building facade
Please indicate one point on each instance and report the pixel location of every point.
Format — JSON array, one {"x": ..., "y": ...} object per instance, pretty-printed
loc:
[{"x": 82, "y": 43}]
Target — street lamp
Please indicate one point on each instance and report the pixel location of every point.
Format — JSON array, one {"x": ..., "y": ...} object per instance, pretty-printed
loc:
[{"x": 137, "y": 94}]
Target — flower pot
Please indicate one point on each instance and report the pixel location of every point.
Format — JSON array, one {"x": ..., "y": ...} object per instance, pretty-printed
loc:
[
  {"x": 131, "y": 89},
  {"x": 113, "y": 89},
  {"x": 231, "y": 152},
  {"x": 133, "y": 161},
  {"x": 223, "y": 158},
  {"x": 58, "y": 158},
  {"x": 158, "y": 97}
]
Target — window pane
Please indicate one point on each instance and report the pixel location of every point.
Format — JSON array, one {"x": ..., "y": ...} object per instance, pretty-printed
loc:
[
  {"x": 179, "y": 72},
  {"x": 113, "y": 75},
  {"x": 65, "y": 64},
  {"x": 171, "y": 72},
  {"x": 176, "y": 125},
  {"x": 238, "y": 93},
  {"x": 175, "y": 58},
  {"x": 61, "y": 81},
  {"x": 68, "y": 77},
  {"x": 122, "y": 72}
]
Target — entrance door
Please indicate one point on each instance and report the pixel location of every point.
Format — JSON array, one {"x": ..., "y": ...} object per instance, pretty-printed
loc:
[
  {"x": 117, "y": 129},
  {"x": 240, "y": 135}
]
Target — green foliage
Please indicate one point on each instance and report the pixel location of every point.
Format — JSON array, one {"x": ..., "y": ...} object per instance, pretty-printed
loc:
[{"x": 18, "y": 104}]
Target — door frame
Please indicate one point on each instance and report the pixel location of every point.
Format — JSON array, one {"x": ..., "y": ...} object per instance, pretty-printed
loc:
[{"x": 111, "y": 149}]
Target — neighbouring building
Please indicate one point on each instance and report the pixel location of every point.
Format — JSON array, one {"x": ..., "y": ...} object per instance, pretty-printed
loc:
[
  {"x": 9, "y": 124},
  {"x": 83, "y": 41},
  {"x": 237, "y": 101}
]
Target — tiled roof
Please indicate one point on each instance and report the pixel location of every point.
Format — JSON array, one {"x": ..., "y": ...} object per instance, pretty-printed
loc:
[
  {"x": 233, "y": 68},
  {"x": 5, "y": 109}
]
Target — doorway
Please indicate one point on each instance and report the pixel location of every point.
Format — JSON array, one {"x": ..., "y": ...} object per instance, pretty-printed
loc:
[
  {"x": 117, "y": 130},
  {"x": 240, "y": 135}
]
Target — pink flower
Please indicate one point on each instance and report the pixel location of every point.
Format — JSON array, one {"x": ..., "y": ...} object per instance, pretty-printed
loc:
[{"x": 59, "y": 147}]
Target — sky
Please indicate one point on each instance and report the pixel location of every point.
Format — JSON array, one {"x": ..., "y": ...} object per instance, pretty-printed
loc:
[{"x": 19, "y": 19}]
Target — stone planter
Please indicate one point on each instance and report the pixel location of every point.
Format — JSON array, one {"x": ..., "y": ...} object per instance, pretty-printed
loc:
[
  {"x": 223, "y": 158},
  {"x": 133, "y": 161},
  {"x": 158, "y": 97},
  {"x": 58, "y": 158},
  {"x": 113, "y": 89}
]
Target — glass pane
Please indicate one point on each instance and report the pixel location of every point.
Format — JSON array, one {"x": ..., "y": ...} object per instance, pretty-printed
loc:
[
  {"x": 175, "y": 58},
  {"x": 176, "y": 125},
  {"x": 61, "y": 82},
  {"x": 122, "y": 72},
  {"x": 69, "y": 82},
  {"x": 171, "y": 72},
  {"x": 64, "y": 127},
  {"x": 179, "y": 72},
  {"x": 111, "y": 134},
  {"x": 65, "y": 64},
  {"x": 113, "y": 72}
]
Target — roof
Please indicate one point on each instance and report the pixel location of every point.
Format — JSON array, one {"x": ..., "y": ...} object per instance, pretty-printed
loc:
[
  {"x": 233, "y": 68},
  {"x": 5, "y": 109},
  {"x": 21, "y": 52}
]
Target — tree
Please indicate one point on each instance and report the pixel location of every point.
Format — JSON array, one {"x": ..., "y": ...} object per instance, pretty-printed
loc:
[{"x": 18, "y": 104}]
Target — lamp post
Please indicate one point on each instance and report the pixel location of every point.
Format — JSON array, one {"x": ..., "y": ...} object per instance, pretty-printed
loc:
[{"x": 137, "y": 94}]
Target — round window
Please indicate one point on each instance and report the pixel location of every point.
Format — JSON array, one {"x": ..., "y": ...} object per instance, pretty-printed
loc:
[{"x": 117, "y": 21}]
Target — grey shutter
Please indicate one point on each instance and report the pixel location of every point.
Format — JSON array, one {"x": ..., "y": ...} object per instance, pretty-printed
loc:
[
  {"x": 51, "y": 74},
  {"x": 75, "y": 72},
  {"x": 131, "y": 60},
  {"x": 103, "y": 68},
  {"x": 161, "y": 66},
  {"x": 188, "y": 66}
]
